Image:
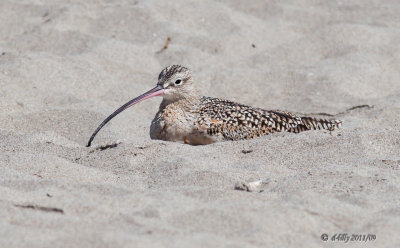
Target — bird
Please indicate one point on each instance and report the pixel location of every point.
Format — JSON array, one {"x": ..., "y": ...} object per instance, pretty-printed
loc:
[{"x": 187, "y": 117}]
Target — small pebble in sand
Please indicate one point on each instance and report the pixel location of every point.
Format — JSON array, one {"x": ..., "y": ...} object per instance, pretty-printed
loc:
[{"x": 250, "y": 186}]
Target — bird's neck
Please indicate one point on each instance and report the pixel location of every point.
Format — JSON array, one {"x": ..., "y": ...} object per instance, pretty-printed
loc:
[{"x": 187, "y": 102}]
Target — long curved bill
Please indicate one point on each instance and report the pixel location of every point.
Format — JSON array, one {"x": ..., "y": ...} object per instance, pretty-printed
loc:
[{"x": 156, "y": 91}]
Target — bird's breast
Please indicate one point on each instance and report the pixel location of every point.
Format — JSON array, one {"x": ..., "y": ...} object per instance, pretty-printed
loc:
[
  {"x": 172, "y": 123},
  {"x": 178, "y": 123}
]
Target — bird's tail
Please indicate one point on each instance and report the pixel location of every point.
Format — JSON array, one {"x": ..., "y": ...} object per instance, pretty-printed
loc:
[
  {"x": 295, "y": 124},
  {"x": 311, "y": 123}
]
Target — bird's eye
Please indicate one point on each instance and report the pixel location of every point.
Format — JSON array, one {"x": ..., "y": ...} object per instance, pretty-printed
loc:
[{"x": 178, "y": 82}]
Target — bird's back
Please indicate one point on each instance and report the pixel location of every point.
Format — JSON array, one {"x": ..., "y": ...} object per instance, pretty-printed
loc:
[{"x": 233, "y": 121}]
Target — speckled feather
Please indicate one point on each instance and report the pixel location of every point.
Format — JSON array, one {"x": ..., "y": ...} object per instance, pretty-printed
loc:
[{"x": 236, "y": 121}]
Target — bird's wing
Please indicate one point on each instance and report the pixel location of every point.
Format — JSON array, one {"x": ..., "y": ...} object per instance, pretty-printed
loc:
[{"x": 236, "y": 121}]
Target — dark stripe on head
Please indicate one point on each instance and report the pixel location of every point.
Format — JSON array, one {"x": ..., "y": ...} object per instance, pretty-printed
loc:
[{"x": 171, "y": 70}]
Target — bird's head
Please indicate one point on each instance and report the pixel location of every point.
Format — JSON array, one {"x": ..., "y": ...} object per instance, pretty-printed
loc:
[
  {"x": 177, "y": 83},
  {"x": 174, "y": 83}
]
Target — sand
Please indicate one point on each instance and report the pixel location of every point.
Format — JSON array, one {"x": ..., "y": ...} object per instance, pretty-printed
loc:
[{"x": 66, "y": 65}]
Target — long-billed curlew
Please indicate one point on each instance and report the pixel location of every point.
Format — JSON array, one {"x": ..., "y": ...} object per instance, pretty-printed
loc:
[{"x": 185, "y": 116}]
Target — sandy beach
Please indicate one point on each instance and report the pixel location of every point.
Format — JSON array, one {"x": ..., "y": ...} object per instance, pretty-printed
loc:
[{"x": 67, "y": 65}]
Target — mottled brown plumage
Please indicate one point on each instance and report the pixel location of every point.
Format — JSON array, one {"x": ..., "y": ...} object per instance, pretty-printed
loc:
[{"x": 184, "y": 116}]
